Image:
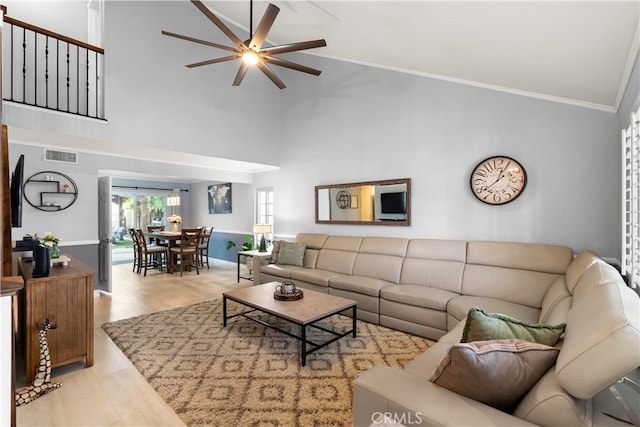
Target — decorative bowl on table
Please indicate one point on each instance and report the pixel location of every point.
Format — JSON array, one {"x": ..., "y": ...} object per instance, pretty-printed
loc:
[{"x": 287, "y": 292}]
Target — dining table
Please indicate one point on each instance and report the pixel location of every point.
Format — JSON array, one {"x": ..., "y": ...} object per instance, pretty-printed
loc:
[{"x": 171, "y": 237}]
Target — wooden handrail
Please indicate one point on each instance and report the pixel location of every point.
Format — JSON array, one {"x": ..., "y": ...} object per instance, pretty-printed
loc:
[{"x": 55, "y": 35}]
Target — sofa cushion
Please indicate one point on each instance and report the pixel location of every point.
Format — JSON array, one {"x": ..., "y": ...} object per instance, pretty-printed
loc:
[
  {"x": 420, "y": 296},
  {"x": 556, "y": 303},
  {"x": 547, "y": 404},
  {"x": 291, "y": 253},
  {"x": 283, "y": 271},
  {"x": 481, "y": 326},
  {"x": 313, "y": 276},
  {"x": 522, "y": 256},
  {"x": 359, "y": 284},
  {"x": 275, "y": 249},
  {"x": 578, "y": 266},
  {"x": 458, "y": 308},
  {"x": 497, "y": 373},
  {"x": 516, "y": 272}
]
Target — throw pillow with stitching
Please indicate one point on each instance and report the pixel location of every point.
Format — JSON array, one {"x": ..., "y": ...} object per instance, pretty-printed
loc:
[
  {"x": 275, "y": 249},
  {"x": 291, "y": 253},
  {"x": 497, "y": 372},
  {"x": 481, "y": 326}
]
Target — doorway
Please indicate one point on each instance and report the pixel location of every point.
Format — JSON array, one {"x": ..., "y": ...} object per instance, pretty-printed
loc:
[{"x": 137, "y": 211}]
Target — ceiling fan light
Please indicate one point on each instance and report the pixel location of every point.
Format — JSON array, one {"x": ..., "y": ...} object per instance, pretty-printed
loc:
[{"x": 250, "y": 58}]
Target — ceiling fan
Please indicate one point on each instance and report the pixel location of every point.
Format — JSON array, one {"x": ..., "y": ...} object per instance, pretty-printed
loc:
[{"x": 251, "y": 51}]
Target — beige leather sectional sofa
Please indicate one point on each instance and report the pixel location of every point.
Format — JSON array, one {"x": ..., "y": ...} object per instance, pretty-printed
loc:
[{"x": 426, "y": 287}]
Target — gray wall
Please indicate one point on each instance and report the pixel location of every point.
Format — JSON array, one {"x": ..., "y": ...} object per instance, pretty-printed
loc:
[
  {"x": 357, "y": 123},
  {"x": 353, "y": 123}
]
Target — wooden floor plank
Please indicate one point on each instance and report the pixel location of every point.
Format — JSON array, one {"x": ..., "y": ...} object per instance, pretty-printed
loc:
[{"x": 112, "y": 392}]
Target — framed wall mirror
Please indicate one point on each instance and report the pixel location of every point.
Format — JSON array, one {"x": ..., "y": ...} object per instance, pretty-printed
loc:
[{"x": 385, "y": 202}]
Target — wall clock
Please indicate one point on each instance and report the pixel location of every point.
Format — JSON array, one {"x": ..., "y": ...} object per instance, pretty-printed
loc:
[{"x": 498, "y": 180}]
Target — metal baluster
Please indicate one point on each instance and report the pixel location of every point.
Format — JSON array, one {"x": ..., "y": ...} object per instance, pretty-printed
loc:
[
  {"x": 12, "y": 27},
  {"x": 46, "y": 72},
  {"x": 87, "y": 53},
  {"x": 24, "y": 64},
  {"x": 35, "y": 68},
  {"x": 68, "y": 81},
  {"x": 57, "y": 74},
  {"x": 77, "y": 79},
  {"x": 97, "y": 81}
]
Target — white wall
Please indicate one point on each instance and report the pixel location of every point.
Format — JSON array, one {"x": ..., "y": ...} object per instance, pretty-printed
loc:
[{"x": 240, "y": 220}]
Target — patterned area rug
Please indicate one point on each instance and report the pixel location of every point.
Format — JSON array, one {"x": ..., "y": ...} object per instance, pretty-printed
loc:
[{"x": 247, "y": 374}]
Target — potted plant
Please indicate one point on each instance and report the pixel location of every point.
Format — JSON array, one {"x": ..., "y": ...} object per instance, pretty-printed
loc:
[{"x": 247, "y": 245}]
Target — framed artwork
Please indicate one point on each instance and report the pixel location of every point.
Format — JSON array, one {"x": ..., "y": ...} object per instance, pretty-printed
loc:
[{"x": 219, "y": 196}]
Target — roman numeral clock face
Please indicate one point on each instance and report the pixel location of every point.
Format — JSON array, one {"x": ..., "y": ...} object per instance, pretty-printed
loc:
[{"x": 498, "y": 180}]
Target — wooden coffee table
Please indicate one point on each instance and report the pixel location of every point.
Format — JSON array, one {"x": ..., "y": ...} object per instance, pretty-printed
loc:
[{"x": 313, "y": 307}]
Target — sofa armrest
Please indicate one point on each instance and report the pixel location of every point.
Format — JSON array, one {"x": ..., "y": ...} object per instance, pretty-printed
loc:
[
  {"x": 258, "y": 260},
  {"x": 384, "y": 394}
]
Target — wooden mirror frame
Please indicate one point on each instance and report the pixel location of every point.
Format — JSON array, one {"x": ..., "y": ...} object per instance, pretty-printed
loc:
[{"x": 335, "y": 187}]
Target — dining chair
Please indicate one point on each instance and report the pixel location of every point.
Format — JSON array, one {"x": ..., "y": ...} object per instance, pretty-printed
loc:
[
  {"x": 187, "y": 251},
  {"x": 151, "y": 256},
  {"x": 203, "y": 246},
  {"x": 153, "y": 228},
  {"x": 136, "y": 250}
]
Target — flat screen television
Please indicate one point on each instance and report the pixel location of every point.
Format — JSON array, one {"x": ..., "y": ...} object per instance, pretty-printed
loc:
[
  {"x": 16, "y": 193},
  {"x": 393, "y": 203}
]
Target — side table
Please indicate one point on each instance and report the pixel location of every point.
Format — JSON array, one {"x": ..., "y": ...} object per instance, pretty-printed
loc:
[{"x": 250, "y": 254}]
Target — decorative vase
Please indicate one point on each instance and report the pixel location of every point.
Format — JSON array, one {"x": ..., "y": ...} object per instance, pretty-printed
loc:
[
  {"x": 54, "y": 252},
  {"x": 175, "y": 227}
]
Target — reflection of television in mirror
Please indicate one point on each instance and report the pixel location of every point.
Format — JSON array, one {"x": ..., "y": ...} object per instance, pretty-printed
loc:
[
  {"x": 393, "y": 203},
  {"x": 16, "y": 193}
]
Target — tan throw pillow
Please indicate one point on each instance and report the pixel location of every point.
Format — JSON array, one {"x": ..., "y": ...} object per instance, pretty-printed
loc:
[
  {"x": 482, "y": 326},
  {"x": 275, "y": 249},
  {"x": 291, "y": 253},
  {"x": 498, "y": 372}
]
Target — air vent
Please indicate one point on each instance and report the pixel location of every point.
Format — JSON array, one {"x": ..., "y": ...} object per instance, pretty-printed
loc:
[{"x": 60, "y": 156}]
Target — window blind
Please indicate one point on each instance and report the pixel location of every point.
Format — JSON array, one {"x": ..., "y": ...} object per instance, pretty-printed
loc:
[{"x": 631, "y": 201}]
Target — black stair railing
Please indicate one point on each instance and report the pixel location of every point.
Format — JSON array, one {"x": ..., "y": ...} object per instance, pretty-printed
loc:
[{"x": 45, "y": 69}]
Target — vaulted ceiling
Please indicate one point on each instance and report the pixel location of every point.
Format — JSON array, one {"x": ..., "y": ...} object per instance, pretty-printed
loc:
[{"x": 579, "y": 52}]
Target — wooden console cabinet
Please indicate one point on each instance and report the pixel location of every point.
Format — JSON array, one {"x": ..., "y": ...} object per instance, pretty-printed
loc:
[{"x": 65, "y": 297}]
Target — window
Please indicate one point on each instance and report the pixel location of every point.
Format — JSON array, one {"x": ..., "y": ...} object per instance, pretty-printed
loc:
[
  {"x": 631, "y": 201},
  {"x": 264, "y": 207}
]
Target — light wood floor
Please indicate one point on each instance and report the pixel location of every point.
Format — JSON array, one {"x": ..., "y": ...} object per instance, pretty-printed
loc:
[{"x": 112, "y": 392}]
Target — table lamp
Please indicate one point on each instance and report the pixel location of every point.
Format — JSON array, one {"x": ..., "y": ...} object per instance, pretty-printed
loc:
[{"x": 262, "y": 229}]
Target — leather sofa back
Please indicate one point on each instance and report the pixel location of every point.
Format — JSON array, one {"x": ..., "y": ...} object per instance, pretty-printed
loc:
[
  {"x": 381, "y": 258},
  {"x": 435, "y": 264},
  {"x": 314, "y": 243},
  {"x": 521, "y": 273},
  {"x": 602, "y": 336},
  {"x": 338, "y": 254}
]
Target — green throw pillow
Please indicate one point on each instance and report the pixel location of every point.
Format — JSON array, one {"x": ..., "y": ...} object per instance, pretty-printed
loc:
[
  {"x": 291, "y": 253},
  {"x": 483, "y": 326}
]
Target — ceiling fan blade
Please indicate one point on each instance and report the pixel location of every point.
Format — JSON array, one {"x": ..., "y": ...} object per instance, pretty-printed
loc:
[
  {"x": 292, "y": 65},
  {"x": 213, "y": 18},
  {"x": 191, "y": 39},
  {"x": 241, "y": 72},
  {"x": 213, "y": 61},
  {"x": 272, "y": 76},
  {"x": 264, "y": 26},
  {"x": 293, "y": 47}
]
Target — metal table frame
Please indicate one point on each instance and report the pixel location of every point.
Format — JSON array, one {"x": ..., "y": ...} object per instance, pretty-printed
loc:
[{"x": 303, "y": 326}]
